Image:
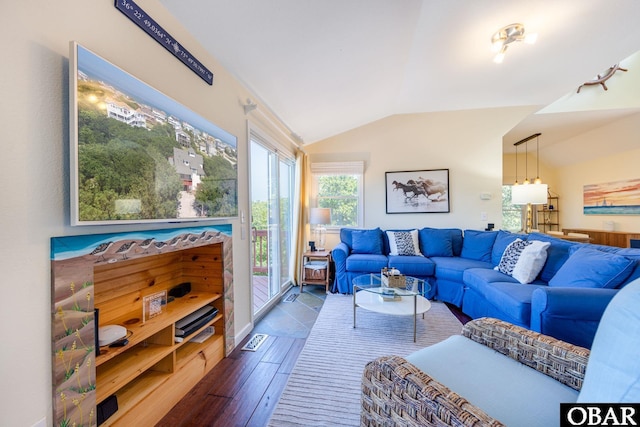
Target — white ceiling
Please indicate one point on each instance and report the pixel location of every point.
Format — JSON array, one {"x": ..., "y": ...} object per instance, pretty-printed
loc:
[{"x": 327, "y": 66}]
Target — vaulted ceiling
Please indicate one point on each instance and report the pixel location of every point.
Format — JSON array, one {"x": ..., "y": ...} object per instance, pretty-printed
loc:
[{"x": 327, "y": 66}]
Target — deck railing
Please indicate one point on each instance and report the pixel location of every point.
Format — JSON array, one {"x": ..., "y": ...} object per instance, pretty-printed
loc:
[{"x": 259, "y": 239}]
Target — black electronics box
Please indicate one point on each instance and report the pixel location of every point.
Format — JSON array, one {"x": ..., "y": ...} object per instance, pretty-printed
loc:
[
  {"x": 181, "y": 290},
  {"x": 187, "y": 325},
  {"x": 106, "y": 408}
]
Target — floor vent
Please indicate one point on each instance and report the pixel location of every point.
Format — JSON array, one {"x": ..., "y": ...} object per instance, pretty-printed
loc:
[
  {"x": 255, "y": 342},
  {"x": 290, "y": 298}
]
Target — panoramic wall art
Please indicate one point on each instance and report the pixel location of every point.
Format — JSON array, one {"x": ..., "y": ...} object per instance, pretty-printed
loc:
[
  {"x": 419, "y": 191},
  {"x": 612, "y": 198},
  {"x": 138, "y": 155}
]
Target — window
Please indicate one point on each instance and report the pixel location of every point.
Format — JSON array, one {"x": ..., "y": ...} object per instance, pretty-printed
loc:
[
  {"x": 512, "y": 215},
  {"x": 339, "y": 186}
]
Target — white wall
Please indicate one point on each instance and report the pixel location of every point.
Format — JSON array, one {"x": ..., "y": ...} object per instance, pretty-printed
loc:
[
  {"x": 35, "y": 178},
  {"x": 468, "y": 143},
  {"x": 615, "y": 167}
]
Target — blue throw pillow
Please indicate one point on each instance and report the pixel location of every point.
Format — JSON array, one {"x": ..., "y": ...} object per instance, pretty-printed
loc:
[
  {"x": 367, "y": 241},
  {"x": 477, "y": 245},
  {"x": 590, "y": 268},
  {"x": 435, "y": 242}
]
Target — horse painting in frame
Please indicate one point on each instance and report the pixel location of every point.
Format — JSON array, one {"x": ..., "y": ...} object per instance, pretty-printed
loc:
[{"x": 418, "y": 191}]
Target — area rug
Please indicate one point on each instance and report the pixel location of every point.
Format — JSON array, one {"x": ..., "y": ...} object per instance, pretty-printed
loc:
[{"x": 324, "y": 387}]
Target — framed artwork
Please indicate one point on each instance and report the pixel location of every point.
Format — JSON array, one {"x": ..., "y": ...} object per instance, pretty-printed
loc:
[
  {"x": 138, "y": 156},
  {"x": 612, "y": 198},
  {"x": 419, "y": 191}
]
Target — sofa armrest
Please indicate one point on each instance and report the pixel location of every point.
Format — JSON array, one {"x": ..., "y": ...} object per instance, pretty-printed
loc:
[
  {"x": 395, "y": 392},
  {"x": 557, "y": 359},
  {"x": 339, "y": 255},
  {"x": 569, "y": 314}
]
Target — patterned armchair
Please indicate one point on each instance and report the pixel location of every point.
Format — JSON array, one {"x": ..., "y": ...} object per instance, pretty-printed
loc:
[{"x": 512, "y": 375}]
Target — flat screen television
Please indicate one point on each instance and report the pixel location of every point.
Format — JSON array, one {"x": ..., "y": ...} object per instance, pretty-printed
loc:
[{"x": 139, "y": 156}]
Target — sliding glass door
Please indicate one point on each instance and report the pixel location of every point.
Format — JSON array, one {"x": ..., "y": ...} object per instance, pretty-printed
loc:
[{"x": 271, "y": 225}]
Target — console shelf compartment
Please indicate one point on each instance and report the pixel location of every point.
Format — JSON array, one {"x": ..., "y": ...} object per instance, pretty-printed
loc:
[
  {"x": 139, "y": 331},
  {"x": 152, "y": 372}
]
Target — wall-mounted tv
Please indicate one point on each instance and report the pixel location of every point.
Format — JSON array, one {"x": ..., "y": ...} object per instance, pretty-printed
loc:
[{"x": 138, "y": 155}]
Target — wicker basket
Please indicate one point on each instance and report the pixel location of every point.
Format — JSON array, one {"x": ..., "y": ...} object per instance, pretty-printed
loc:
[
  {"x": 392, "y": 280},
  {"x": 315, "y": 270}
]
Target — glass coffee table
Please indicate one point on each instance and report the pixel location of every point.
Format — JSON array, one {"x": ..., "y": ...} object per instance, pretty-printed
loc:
[{"x": 370, "y": 294}]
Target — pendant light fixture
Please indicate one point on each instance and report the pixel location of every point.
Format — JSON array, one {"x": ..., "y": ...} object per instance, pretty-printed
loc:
[{"x": 529, "y": 193}]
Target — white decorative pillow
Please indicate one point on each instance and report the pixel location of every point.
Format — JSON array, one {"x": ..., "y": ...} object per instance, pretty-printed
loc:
[
  {"x": 403, "y": 243},
  {"x": 531, "y": 261},
  {"x": 510, "y": 256}
]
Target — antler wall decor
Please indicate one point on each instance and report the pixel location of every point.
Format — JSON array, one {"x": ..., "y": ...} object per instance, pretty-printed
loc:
[{"x": 601, "y": 79}]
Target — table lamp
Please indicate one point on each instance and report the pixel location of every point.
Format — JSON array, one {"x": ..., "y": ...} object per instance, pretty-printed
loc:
[{"x": 319, "y": 217}]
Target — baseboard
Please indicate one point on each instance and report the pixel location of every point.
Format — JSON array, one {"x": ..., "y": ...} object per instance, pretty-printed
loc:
[{"x": 243, "y": 333}]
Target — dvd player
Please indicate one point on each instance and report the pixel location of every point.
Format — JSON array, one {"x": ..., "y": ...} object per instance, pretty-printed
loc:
[{"x": 195, "y": 320}]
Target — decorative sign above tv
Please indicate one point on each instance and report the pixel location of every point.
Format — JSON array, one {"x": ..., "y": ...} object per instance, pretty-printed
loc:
[
  {"x": 151, "y": 27},
  {"x": 138, "y": 155}
]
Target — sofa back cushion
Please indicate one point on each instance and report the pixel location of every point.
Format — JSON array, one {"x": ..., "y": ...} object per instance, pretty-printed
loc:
[
  {"x": 346, "y": 236},
  {"x": 367, "y": 242},
  {"x": 436, "y": 242},
  {"x": 591, "y": 268},
  {"x": 503, "y": 239},
  {"x": 557, "y": 254},
  {"x": 613, "y": 371},
  {"x": 477, "y": 245}
]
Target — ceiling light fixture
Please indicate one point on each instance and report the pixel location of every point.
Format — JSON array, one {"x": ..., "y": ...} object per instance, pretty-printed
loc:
[{"x": 506, "y": 35}]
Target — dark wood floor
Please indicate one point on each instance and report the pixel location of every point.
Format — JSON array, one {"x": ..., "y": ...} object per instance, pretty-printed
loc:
[{"x": 242, "y": 390}]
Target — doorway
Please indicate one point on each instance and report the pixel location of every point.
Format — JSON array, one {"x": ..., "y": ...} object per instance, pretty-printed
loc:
[{"x": 272, "y": 177}]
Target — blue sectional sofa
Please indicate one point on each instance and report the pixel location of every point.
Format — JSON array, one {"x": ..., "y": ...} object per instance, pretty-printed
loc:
[{"x": 560, "y": 288}]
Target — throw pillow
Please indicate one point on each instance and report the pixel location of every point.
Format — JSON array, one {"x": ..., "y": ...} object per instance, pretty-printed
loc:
[
  {"x": 503, "y": 239},
  {"x": 403, "y": 243},
  {"x": 366, "y": 241},
  {"x": 478, "y": 244},
  {"x": 531, "y": 261},
  {"x": 591, "y": 268},
  {"x": 510, "y": 256},
  {"x": 435, "y": 242}
]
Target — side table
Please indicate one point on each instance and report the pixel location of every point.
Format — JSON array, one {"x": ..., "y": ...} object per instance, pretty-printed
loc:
[{"x": 315, "y": 269}]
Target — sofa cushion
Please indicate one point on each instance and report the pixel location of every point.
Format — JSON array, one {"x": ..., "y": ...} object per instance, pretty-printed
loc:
[
  {"x": 478, "y": 244},
  {"x": 503, "y": 239},
  {"x": 530, "y": 262},
  {"x": 511, "y": 298},
  {"x": 403, "y": 242},
  {"x": 366, "y": 263},
  {"x": 412, "y": 265},
  {"x": 613, "y": 372},
  {"x": 451, "y": 268},
  {"x": 591, "y": 268},
  {"x": 486, "y": 379},
  {"x": 367, "y": 241},
  {"x": 485, "y": 276},
  {"x": 510, "y": 256},
  {"x": 557, "y": 254},
  {"x": 435, "y": 242}
]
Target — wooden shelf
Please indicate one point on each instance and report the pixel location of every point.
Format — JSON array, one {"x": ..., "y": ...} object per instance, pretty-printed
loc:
[
  {"x": 152, "y": 372},
  {"x": 134, "y": 393},
  {"x": 139, "y": 331}
]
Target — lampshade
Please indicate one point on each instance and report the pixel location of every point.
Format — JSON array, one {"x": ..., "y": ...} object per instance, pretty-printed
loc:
[
  {"x": 320, "y": 216},
  {"x": 536, "y": 194}
]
